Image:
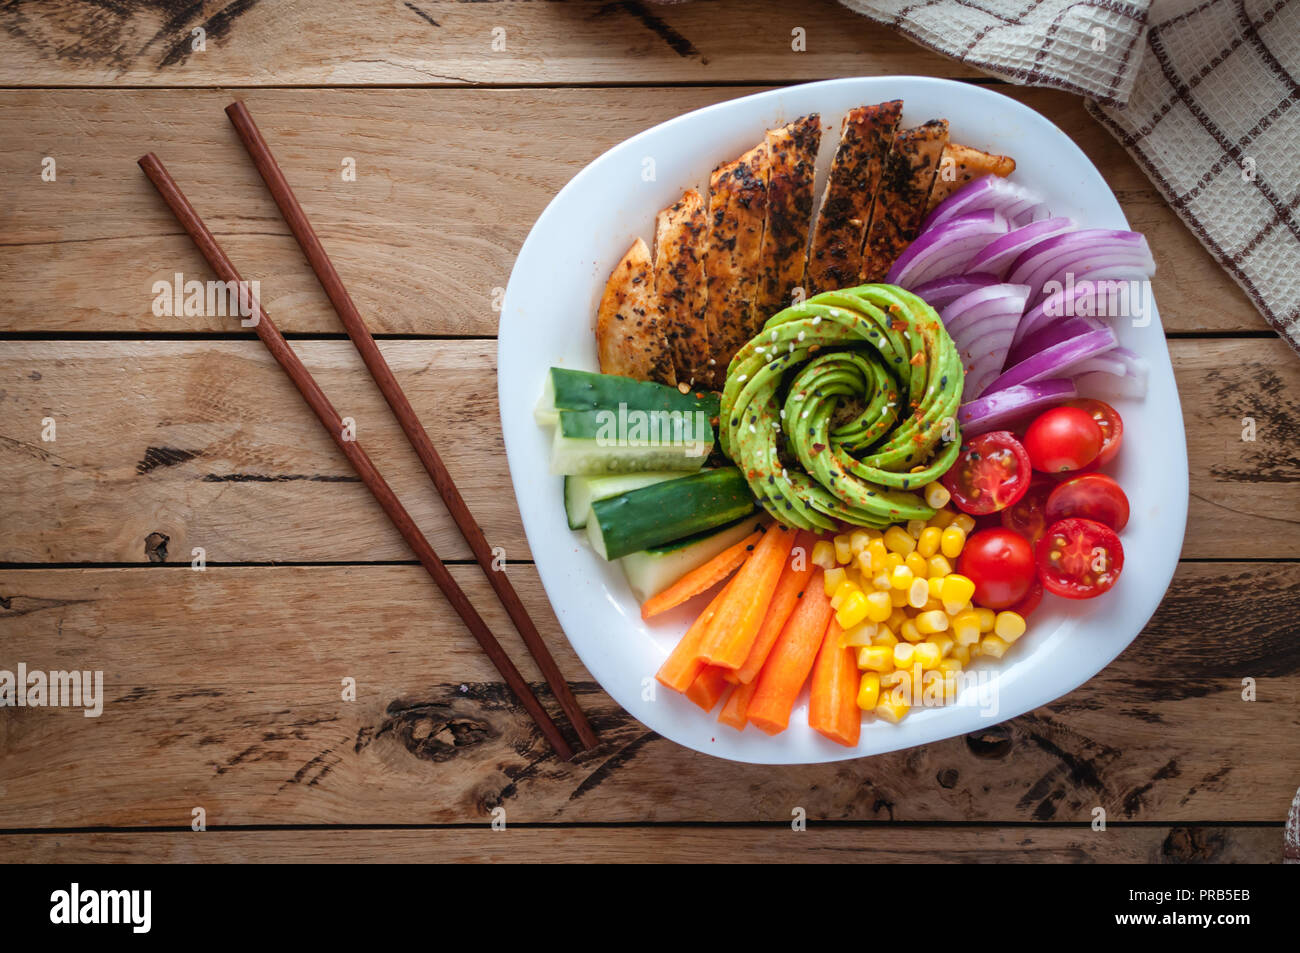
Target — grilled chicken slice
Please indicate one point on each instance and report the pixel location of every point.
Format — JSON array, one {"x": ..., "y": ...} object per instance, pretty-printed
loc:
[
  {"x": 865, "y": 137},
  {"x": 792, "y": 153},
  {"x": 961, "y": 164},
  {"x": 629, "y": 341},
  {"x": 737, "y": 211},
  {"x": 680, "y": 234},
  {"x": 900, "y": 202}
]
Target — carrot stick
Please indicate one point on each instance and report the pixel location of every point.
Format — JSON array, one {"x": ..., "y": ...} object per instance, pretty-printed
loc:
[
  {"x": 684, "y": 663},
  {"x": 732, "y": 632},
  {"x": 789, "y": 589},
  {"x": 736, "y": 711},
  {"x": 791, "y": 659},
  {"x": 708, "y": 687},
  {"x": 832, "y": 701},
  {"x": 704, "y": 577}
]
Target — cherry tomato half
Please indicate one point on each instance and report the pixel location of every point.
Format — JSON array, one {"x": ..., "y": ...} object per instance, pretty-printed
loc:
[
  {"x": 1108, "y": 419},
  {"x": 1031, "y": 600},
  {"x": 1079, "y": 558},
  {"x": 1028, "y": 515},
  {"x": 1093, "y": 496},
  {"x": 1063, "y": 438},
  {"x": 990, "y": 474},
  {"x": 1001, "y": 564}
]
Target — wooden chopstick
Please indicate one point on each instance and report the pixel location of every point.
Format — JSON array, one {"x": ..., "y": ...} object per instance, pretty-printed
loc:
[
  {"x": 329, "y": 418},
  {"x": 329, "y": 278}
]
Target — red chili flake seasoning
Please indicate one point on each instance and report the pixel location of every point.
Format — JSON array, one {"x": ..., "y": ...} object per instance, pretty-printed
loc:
[
  {"x": 898, "y": 325},
  {"x": 818, "y": 447},
  {"x": 917, "y": 359}
]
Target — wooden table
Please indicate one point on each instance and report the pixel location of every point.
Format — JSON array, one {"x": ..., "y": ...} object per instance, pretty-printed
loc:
[{"x": 175, "y": 434}]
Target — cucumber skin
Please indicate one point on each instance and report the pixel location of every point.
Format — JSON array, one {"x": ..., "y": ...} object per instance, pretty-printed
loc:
[
  {"x": 578, "y": 450},
  {"x": 577, "y": 514},
  {"x": 659, "y": 514},
  {"x": 569, "y": 389}
]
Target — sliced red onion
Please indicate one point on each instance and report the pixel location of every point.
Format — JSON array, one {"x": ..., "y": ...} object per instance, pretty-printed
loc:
[
  {"x": 1050, "y": 335},
  {"x": 946, "y": 249},
  {"x": 942, "y": 292},
  {"x": 1077, "y": 252},
  {"x": 1118, "y": 371},
  {"x": 1054, "y": 307},
  {"x": 989, "y": 192},
  {"x": 998, "y": 255},
  {"x": 982, "y": 324},
  {"x": 1059, "y": 359},
  {"x": 1000, "y": 407}
]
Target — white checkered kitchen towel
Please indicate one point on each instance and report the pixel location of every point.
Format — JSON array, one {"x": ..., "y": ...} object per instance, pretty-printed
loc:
[{"x": 1203, "y": 93}]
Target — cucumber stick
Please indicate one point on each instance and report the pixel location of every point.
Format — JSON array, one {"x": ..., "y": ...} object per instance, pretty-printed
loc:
[
  {"x": 659, "y": 514},
  {"x": 651, "y": 571},
  {"x": 581, "y": 491},
  {"x": 567, "y": 389},
  {"x": 605, "y": 442}
]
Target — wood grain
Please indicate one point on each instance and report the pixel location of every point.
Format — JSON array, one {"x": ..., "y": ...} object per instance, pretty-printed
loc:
[
  {"x": 223, "y": 691},
  {"x": 675, "y": 845},
  {"x": 207, "y": 445},
  {"x": 448, "y": 183},
  {"x": 444, "y": 42}
]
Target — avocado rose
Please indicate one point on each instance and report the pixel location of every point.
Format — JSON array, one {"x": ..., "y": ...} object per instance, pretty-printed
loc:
[{"x": 844, "y": 406}]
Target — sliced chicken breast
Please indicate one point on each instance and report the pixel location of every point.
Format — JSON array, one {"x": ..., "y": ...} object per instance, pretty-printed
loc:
[
  {"x": 629, "y": 341},
  {"x": 680, "y": 237},
  {"x": 901, "y": 200},
  {"x": 792, "y": 155},
  {"x": 960, "y": 165},
  {"x": 835, "y": 260}
]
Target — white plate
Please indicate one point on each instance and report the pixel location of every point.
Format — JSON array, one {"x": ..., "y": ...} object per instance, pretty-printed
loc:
[{"x": 547, "y": 320}]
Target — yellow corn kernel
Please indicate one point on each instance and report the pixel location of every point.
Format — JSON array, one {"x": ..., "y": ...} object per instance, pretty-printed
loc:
[
  {"x": 898, "y": 598},
  {"x": 892, "y": 561},
  {"x": 858, "y": 540},
  {"x": 832, "y": 579},
  {"x": 950, "y": 664},
  {"x": 910, "y": 632},
  {"x": 937, "y": 495},
  {"x": 957, "y": 590},
  {"x": 931, "y": 605},
  {"x": 993, "y": 646},
  {"x": 884, "y": 636},
  {"x": 965, "y": 522},
  {"x": 897, "y": 618},
  {"x": 1009, "y": 626},
  {"x": 899, "y": 540},
  {"x": 916, "y": 562},
  {"x": 852, "y": 610},
  {"x": 928, "y": 542},
  {"x": 842, "y": 593},
  {"x": 986, "y": 617},
  {"x": 903, "y": 653},
  {"x": 879, "y": 554},
  {"x": 879, "y": 606},
  {"x": 974, "y": 649},
  {"x": 823, "y": 554},
  {"x": 942, "y": 519},
  {"x": 961, "y": 654},
  {"x": 934, "y": 587},
  {"x": 898, "y": 677},
  {"x": 868, "y": 691},
  {"x": 876, "y": 658},
  {"x": 927, "y": 653},
  {"x": 901, "y": 577},
  {"x": 891, "y": 709},
  {"x": 939, "y": 566},
  {"x": 882, "y": 582},
  {"x": 943, "y": 641},
  {"x": 914, "y": 528},
  {"x": 859, "y": 635},
  {"x": 919, "y": 594},
  {"x": 843, "y": 552},
  {"x": 862, "y": 562},
  {"x": 952, "y": 541},
  {"x": 939, "y": 688},
  {"x": 928, "y": 623},
  {"x": 966, "y": 628}
]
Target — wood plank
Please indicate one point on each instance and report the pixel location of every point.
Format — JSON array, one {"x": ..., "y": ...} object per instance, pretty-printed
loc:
[
  {"x": 448, "y": 184},
  {"x": 208, "y": 444},
  {"x": 670, "y": 845},
  {"x": 445, "y": 42},
  {"x": 223, "y": 692}
]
